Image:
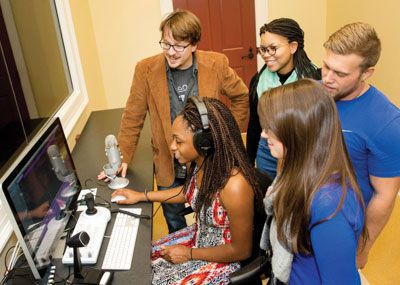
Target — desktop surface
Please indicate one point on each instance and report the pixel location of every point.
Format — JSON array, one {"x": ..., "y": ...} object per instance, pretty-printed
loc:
[{"x": 89, "y": 158}]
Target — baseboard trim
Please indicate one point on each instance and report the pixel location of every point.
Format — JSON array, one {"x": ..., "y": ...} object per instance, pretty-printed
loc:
[{"x": 364, "y": 280}]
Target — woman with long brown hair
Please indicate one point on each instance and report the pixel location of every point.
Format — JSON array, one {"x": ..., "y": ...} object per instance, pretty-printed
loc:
[{"x": 315, "y": 200}]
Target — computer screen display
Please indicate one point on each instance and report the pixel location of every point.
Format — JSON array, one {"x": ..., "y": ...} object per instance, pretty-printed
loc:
[{"x": 40, "y": 190}]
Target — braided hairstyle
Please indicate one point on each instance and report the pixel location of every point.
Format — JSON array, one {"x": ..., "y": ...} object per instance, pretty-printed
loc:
[
  {"x": 291, "y": 30},
  {"x": 229, "y": 153}
]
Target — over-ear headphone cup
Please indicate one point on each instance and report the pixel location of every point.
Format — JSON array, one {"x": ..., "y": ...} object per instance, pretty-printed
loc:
[{"x": 203, "y": 142}]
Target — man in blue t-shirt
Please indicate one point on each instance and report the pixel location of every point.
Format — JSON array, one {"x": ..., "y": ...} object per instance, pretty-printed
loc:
[{"x": 370, "y": 122}]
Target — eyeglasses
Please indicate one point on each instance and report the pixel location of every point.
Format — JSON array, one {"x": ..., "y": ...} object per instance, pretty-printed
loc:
[
  {"x": 271, "y": 50},
  {"x": 177, "y": 48}
]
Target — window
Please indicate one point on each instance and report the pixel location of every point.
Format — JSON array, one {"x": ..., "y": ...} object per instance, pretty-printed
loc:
[
  {"x": 74, "y": 104},
  {"x": 71, "y": 110}
]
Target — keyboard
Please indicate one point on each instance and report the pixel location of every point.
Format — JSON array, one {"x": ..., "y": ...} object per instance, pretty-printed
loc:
[
  {"x": 120, "y": 248},
  {"x": 95, "y": 225}
]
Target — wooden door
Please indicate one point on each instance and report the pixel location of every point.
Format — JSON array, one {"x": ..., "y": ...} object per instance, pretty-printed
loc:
[{"x": 228, "y": 26}]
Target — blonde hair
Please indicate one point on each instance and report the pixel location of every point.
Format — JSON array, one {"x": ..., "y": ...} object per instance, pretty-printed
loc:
[
  {"x": 356, "y": 38},
  {"x": 184, "y": 26}
]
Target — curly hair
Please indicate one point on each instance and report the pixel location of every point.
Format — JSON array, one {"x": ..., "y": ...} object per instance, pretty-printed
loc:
[{"x": 229, "y": 152}]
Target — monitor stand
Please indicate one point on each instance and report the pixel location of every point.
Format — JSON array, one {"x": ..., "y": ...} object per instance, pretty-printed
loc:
[
  {"x": 87, "y": 277},
  {"x": 92, "y": 277},
  {"x": 24, "y": 275}
]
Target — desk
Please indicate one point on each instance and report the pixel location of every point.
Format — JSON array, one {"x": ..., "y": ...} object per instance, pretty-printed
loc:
[{"x": 89, "y": 158}]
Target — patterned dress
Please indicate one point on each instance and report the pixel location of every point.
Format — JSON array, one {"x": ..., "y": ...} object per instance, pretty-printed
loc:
[{"x": 211, "y": 229}]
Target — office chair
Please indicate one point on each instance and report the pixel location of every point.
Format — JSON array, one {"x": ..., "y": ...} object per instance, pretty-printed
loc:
[{"x": 257, "y": 263}]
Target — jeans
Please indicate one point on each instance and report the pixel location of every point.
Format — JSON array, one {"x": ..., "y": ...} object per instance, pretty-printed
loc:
[
  {"x": 264, "y": 160},
  {"x": 175, "y": 221}
]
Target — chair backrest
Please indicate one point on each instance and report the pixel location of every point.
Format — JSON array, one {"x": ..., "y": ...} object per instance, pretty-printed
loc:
[{"x": 264, "y": 181}]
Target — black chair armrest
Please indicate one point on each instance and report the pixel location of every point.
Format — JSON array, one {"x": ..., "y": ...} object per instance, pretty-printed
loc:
[
  {"x": 259, "y": 265},
  {"x": 185, "y": 211}
]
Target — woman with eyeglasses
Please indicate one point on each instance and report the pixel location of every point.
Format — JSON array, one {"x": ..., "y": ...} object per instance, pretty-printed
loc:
[{"x": 282, "y": 49}]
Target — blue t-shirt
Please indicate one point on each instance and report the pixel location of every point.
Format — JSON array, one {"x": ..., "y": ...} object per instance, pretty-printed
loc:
[
  {"x": 371, "y": 129},
  {"x": 334, "y": 242}
]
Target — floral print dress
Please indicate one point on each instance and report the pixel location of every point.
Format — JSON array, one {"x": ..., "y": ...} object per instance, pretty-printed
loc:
[{"x": 211, "y": 229}]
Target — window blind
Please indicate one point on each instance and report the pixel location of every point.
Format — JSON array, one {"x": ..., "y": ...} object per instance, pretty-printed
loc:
[{"x": 5, "y": 227}]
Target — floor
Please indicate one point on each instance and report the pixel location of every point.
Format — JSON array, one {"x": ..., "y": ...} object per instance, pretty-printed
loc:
[{"x": 383, "y": 266}]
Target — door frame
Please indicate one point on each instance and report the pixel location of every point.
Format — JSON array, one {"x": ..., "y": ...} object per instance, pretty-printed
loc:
[{"x": 261, "y": 15}]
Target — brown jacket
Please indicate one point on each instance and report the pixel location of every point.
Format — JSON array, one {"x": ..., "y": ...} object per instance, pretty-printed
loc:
[{"x": 149, "y": 93}]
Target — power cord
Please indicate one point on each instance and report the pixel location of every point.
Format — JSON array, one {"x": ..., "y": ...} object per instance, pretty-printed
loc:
[
  {"x": 159, "y": 206},
  {"x": 7, "y": 269},
  {"x": 105, "y": 203},
  {"x": 193, "y": 174},
  {"x": 146, "y": 217},
  {"x": 108, "y": 204}
]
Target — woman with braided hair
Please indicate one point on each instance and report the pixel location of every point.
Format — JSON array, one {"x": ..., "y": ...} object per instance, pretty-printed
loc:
[
  {"x": 222, "y": 190},
  {"x": 282, "y": 49}
]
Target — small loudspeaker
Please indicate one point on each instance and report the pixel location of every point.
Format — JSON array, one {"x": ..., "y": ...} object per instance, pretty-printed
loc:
[{"x": 202, "y": 138}]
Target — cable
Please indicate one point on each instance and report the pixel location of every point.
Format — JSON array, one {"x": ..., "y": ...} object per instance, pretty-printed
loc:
[
  {"x": 158, "y": 208},
  {"x": 146, "y": 217},
  {"x": 87, "y": 186},
  {"x": 5, "y": 260},
  {"x": 96, "y": 183},
  {"x": 193, "y": 174}
]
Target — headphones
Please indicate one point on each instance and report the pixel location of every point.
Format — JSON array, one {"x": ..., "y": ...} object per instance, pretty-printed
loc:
[{"x": 202, "y": 139}]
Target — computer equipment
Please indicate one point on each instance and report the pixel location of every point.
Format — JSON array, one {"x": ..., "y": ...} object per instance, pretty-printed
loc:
[
  {"x": 95, "y": 226},
  {"x": 117, "y": 198},
  {"x": 39, "y": 191},
  {"x": 122, "y": 242}
]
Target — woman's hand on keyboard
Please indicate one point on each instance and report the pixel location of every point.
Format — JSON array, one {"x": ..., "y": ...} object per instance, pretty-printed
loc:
[
  {"x": 176, "y": 253},
  {"x": 132, "y": 197}
]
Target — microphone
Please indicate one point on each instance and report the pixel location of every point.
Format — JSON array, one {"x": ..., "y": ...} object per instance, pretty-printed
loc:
[
  {"x": 57, "y": 161},
  {"x": 112, "y": 152},
  {"x": 61, "y": 167},
  {"x": 84, "y": 276},
  {"x": 80, "y": 239},
  {"x": 114, "y": 162}
]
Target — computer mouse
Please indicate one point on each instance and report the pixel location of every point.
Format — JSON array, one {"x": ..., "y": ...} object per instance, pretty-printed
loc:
[{"x": 117, "y": 198}]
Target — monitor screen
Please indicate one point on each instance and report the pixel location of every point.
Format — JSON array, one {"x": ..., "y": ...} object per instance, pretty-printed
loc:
[{"x": 40, "y": 189}]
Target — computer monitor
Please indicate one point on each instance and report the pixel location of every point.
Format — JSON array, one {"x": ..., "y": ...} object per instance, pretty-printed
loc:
[{"x": 39, "y": 192}]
